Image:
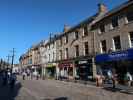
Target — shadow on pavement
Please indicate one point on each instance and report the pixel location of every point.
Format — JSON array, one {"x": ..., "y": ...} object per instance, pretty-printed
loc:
[
  {"x": 59, "y": 98},
  {"x": 118, "y": 90},
  {"x": 6, "y": 93}
]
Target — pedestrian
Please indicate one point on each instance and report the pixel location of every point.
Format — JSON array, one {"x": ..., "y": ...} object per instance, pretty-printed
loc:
[
  {"x": 4, "y": 78},
  {"x": 99, "y": 80},
  {"x": 114, "y": 78},
  {"x": 28, "y": 74},
  {"x": 24, "y": 75},
  {"x": 8, "y": 76},
  {"x": 129, "y": 78},
  {"x": 12, "y": 80},
  {"x": 109, "y": 76}
]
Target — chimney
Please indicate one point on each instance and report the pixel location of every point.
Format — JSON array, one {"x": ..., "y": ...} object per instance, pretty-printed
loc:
[
  {"x": 102, "y": 8},
  {"x": 66, "y": 28}
]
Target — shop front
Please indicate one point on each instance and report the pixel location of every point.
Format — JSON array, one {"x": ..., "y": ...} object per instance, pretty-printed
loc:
[
  {"x": 50, "y": 70},
  {"x": 83, "y": 69},
  {"x": 120, "y": 62},
  {"x": 66, "y": 69},
  {"x": 36, "y": 68}
]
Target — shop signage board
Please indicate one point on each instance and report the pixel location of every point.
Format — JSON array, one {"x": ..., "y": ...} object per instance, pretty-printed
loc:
[
  {"x": 115, "y": 56},
  {"x": 83, "y": 62}
]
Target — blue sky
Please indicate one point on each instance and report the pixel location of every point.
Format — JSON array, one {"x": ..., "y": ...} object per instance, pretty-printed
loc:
[{"x": 25, "y": 22}]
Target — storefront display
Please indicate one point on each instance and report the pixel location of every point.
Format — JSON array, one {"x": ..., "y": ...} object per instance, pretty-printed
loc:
[
  {"x": 50, "y": 70},
  {"x": 121, "y": 61},
  {"x": 84, "y": 69},
  {"x": 66, "y": 69}
]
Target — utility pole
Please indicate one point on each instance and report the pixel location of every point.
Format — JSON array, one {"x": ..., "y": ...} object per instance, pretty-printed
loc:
[
  {"x": 13, "y": 51},
  {"x": 8, "y": 58}
]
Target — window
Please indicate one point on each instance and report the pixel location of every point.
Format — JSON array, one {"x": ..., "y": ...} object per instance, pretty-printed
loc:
[
  {"x": 49, "y": 46},
  {"x": 129, "y": 16},
  {"x": 85, "y": 31},
  {"x": 53, "y": 56},
  {"x": 60, "y": 41},
  {"x": 49, "y": 57},
  {"x": 131, "y": 39},
  {"x": 77, "y": 50},
  {"x": 53, "y": 44},
  {"x": 76, "y": 35},
  {"x": 66, "y": 53},
  {"x": 114, "y": 22},
  {"x": 66, "y": 38},
  {"x": 60, "y": 55},
  {"x": 103, "y": 46},
  {"x": 30, "y": 61},
  {"x": 116, "y": 43},
  {"x": 102, "y": 28},
  {"x": 86, "y": 48}
]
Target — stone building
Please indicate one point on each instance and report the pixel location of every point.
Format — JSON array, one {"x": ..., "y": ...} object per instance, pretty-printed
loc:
[
  {"x": 48, "y": 51},
  {"x": 75, "y": 49},
  {"x": 114, "y": 39},
  {"x": 32, "y": 59}
]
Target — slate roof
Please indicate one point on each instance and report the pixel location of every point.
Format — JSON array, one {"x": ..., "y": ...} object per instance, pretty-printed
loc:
[{"x": 115, "y": 10}]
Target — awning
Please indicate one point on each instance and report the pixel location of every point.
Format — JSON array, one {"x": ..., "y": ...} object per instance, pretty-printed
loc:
[
  {"x": 115, "y": 56},
  {"x": 65, "y": 64}
]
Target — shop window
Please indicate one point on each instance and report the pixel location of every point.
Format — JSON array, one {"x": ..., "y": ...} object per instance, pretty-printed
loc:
[
  {"x": 101, "y": 29},
  {"x": 85, "y": 31},
  {"x": 114, "y": 22},
  {"x": 103, "y": 46},
  {"x": 76, "y": 50},
  {"x": 66, "y": 53},
  {"x": 70, "y": 71},
  {"x": 117, "y": 43},
  {"x": 131, "y": 39},
  {"x": 129, "y": 16},
  {"x": 86, "y": 48}
]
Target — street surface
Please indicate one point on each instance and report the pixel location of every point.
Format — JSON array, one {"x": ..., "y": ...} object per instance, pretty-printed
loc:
[{"x": 59, "y": 90}]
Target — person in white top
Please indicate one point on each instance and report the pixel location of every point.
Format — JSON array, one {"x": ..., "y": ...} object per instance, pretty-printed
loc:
[{"x": 129, "y": 77}]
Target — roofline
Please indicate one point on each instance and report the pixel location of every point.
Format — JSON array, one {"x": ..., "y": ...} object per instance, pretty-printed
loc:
[{"x": 115, "y": 10}]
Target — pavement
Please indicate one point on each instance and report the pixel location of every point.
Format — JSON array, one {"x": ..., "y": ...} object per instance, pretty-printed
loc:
[{"x": 60, "y": 90}]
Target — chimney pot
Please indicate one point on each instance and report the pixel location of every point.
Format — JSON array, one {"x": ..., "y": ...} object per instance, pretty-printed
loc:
[
  {"x": 66, "y": 28},
  {"x": 102, "y": 8}
]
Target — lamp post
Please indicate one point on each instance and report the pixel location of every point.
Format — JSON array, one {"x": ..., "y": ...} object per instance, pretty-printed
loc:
[{"x": 13, "y": 51}]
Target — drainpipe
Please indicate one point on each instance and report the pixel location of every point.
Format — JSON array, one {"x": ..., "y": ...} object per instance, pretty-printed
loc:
[{"x": 93, "y": 59}]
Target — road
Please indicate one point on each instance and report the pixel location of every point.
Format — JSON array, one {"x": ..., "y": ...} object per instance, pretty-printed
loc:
[{"x": 59, "y": 90}]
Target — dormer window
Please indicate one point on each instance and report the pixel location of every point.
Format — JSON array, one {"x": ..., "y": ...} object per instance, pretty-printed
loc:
[
  {"x": 129, "y": 17},
  {"x": 66, "y": 38},
  {"x": 101, "y": 29},
  {"x": 114, "y": 22},
  {"x": 85, "y": 31},
  {"x": 60, "y": 41},
  {"x": 76, "y": 35}
]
